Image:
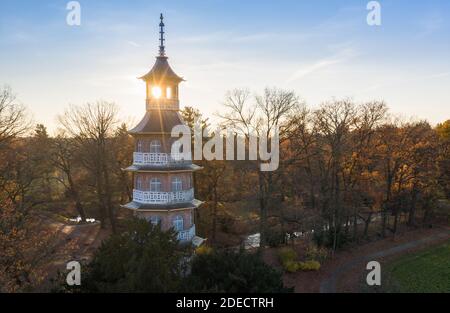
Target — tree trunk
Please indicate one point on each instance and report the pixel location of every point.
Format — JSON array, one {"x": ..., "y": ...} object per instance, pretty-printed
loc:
[
  {"x": 337, "y": 209},
  {"x": 263, "y": 210},
  {"x": 108, "y": 196},
  {"x": 387, "y": 202},
  {"x": 394, "y": 228},
  {"x": 412, "y": 209},
  {"x": 214, "y": 221},
  {"x": 76, "y": 198},
  {"x": 101, "y": 201},
  {"x": 366, "y": 225}
]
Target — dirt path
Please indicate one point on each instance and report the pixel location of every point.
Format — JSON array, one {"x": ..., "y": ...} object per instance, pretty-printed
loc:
[
  {"x": 329, "y": 284},
  {"x": 343, "y": 273},
  {"x": 73, "y": 243}
]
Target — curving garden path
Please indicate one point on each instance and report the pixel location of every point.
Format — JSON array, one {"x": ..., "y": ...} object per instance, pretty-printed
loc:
[{"x": 328, "y": 285}]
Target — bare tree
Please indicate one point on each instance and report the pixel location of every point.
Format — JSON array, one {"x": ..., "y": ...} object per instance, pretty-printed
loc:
[
  {"x": 369, "y": 116},
  {"x": 333, "y": 122},
  {"x": 213, "y": 176},
  {"x": 13, "y": 120},
  {"x": 64, "y": 158},
  {"x": 92, "y": 126},
  {"x": 123, "y": 147},
  {"x": 264, "y": 116}
]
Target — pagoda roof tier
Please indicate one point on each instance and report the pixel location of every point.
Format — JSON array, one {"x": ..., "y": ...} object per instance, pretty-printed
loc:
[
  {"x": 187, "y": 167},
  {"x": 161, "y": 71},
  {"x": 157, "y": 122},
  {"x": 133, "y": 205}
]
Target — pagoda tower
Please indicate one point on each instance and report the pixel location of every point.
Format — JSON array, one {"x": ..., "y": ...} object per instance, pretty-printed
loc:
[{"x": 163, "y": 184}]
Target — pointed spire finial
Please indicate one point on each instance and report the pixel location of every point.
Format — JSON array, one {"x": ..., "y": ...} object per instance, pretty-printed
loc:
[{"x": 162, "y": 51}]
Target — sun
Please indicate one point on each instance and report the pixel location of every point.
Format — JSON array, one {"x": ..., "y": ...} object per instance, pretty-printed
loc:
[{"x": 156, "y": 92}]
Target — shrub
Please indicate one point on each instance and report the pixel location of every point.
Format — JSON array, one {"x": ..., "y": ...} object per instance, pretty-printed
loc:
[
  {"x": 315, "y": 253},
  {"x": 233, "y": 272},
  {"x": 287, "y": 254},
  {"x": 203, "y": 250},
  {"x": 141, "y": 259},
  {"x": 288, "y": 258},
  {"x": 309, "y": 266},
  {"x": 291, "y": 266}
]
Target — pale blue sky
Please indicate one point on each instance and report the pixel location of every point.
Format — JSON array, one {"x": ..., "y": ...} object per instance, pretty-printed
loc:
[{"x": 320, "y": 49}]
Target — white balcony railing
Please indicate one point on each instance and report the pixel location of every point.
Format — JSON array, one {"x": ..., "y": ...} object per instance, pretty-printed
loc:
[
  {"x": 151, "y": 197},
  {"x": 186, "y": 235},
  {"x": 162, "y": 103},
  {"x": 160, "y": 159}
]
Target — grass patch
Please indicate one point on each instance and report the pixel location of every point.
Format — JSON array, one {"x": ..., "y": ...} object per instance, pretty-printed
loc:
[{"x": 425, "y": 272}]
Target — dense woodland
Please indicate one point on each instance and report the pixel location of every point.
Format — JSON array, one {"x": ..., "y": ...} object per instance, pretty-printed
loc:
[{"x": 347, "y": 170}]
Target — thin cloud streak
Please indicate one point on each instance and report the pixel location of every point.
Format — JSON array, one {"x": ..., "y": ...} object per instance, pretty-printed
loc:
[
  {"x": 305, "y": 71},
  {"x": 344, "y": 55}
]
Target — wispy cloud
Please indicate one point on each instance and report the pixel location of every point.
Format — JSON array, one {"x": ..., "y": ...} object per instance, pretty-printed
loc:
[
  {"x": 346, "y": 53},
  {"x": 431, "y": 23},
  {"x": 133, "y": 43},
  {"x": 234, "y": 37},
  {"x": 309, "y": 69},
  {"x": 18, "y": 37}
]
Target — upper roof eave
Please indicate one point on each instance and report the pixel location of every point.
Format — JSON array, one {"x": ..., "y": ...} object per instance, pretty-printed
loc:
[{"x": 161, "y": 70}]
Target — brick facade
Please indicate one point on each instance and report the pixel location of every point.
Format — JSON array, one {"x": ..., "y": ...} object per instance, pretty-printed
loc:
[
  {"x": 167, "y": 217},
  {"x": 165, "y": 179}
]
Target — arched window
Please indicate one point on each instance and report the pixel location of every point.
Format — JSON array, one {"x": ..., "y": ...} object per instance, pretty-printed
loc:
[
  {"x": 168, "y": 93},
  {"x": 140, "y": 146},
  {"x": 155, "y": 146},
  {"x": 139, "y": 183},
  {"x": 177, "y": 184},
  {"x": 155, "y": 220},
  {"x": 178, "y": 223},
  {"x": 155, "y": 185}
]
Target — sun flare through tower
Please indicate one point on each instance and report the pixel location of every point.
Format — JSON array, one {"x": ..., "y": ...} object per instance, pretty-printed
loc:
[{"x": 163, "y": 183}]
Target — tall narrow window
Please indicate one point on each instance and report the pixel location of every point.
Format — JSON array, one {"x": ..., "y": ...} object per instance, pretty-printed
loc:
[
  {"x": 155, "y": 146},
  {"x": 169, "y": 93},
  {"x": 178, "y": 223},
  {"x": 155, "y": 185},
  {"x": 140, "y": 146},
  {"x": 139, "y": 183},
  {"x": 177, "y": 185}
]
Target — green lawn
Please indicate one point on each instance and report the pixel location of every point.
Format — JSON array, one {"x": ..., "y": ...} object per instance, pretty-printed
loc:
[{"x": 426, "y": 271}]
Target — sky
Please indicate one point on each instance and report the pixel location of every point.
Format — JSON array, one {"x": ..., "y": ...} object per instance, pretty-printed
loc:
[{"x": 321, "y": 49}]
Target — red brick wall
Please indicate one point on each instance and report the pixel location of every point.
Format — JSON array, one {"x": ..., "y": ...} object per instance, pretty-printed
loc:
[
  {"x": 166, "y": 180},
  {"x": 168, "y": 217},
  {"x": 165, "y": 140}
]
